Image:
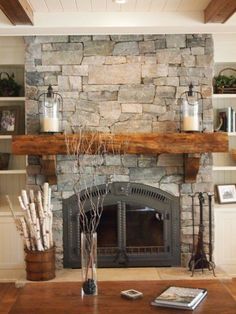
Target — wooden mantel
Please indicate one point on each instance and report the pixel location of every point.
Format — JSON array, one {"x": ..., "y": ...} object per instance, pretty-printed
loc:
[
  {"x": 150, "y": 144},
  {"x": 141, "y": 143}
]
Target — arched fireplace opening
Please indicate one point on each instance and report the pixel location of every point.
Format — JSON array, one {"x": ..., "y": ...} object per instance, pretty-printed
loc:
[{"x": 140, "y": 226}]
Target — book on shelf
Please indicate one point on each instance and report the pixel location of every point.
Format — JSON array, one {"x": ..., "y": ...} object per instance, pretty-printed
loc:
[
  {"x": 226, "y": 120},
  {"x": 224, "y": 117},
  {"x": 180, "y": 298}
]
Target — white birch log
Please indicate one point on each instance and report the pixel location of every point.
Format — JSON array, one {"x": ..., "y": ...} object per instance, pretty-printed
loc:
[
  {"x": 44, "y": 234},
  {"x": 45, "y": 197},
  {"x": 40, "y": 206},
  {"x": 50, "y": 214},
  {"x": 25, "y": 198},
  {"x": 25, "y": 233},
  {"x": 35, "y": 227},
  {"x": 38, "y": 236},
  {"x": 21, "y": 203},
  {"x": 32, "y": 198}
]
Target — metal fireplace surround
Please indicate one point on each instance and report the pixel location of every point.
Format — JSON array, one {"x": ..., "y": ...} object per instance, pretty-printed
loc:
[{"x": 122, "y": 194}]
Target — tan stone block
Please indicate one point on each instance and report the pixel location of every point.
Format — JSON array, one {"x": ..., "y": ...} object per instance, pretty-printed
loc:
[
  {"x": 81, "y": 70},
  {"x": 206, "y": 91},
  {"x": 115, "y": 74},
  {"x": 110, "y": 110},
  {"x": 154, "y": 70},
  {"x": 95, "y": 60},
  {"x": 132, "y": 108},
  {"x": 115, "y": 60},
  {"x": 69, "y": 83}
]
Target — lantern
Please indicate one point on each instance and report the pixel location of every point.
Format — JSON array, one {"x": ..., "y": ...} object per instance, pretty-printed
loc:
[
  {"x": 50, "y": 104},
  {"x": 192, "y": 111}
]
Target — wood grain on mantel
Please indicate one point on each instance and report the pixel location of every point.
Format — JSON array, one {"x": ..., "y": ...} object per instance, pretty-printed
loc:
[{"x": 150, "y": 143}]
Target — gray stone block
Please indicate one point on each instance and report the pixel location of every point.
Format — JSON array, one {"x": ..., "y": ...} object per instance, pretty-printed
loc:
[
  {"x": 62, "y": 57},
  {"x": 127, "y": 37},
  {"x": 126, "y": 48},
  {"x": 99, "y": 47},
  {"x": 136, "y": 93},
  {"x": 115, "y": 74},
  {"x": 146, "y": 46},
  {"x": 80, "y": 38},
  {"x": 175, "y": 41},
  {"x": 155, "y": 174}
]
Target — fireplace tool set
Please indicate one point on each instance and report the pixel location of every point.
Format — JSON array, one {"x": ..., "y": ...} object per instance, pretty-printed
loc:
[{"x": 199, "y": 258}]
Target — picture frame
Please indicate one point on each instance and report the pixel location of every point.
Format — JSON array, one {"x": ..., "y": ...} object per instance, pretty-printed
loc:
[
  {"x": 9, "y": 119},
  {"x": 226, "y": 193}
]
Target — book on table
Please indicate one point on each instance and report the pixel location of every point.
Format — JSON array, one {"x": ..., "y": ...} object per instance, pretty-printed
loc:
[{"x": 180, "y": 297}]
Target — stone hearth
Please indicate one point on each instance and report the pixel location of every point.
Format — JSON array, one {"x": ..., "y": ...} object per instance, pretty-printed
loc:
[{"x": 122, "y": 83}]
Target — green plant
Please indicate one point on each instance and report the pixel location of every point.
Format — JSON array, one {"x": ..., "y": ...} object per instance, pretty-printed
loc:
[{"x": 8, "y": 85}]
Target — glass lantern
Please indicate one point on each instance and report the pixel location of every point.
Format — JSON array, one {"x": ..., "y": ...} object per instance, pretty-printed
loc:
[
  {"x": 191, "y": 116},
  {"x": 50, "y": 104}
]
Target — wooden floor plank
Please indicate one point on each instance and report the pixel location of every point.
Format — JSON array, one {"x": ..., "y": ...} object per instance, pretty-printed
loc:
[{"x": 8, "y": 296}]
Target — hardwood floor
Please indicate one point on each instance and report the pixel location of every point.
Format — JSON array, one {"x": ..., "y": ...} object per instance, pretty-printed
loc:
[
  {"x": 12, "y": 298},
  {"x": 8, "y": 296}
]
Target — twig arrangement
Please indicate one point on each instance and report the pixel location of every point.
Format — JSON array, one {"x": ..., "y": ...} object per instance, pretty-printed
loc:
[
  {"x": 35, "y": 226},
  {"x": 88, "y": 153}
]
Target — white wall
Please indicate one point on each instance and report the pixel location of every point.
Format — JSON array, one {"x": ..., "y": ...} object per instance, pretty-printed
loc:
[
  {"x": 12, "y": 50},
  {"x": 225, "y": 47}
]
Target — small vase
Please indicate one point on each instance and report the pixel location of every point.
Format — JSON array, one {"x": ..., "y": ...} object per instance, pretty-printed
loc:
[{"x": 89, "y": 263}]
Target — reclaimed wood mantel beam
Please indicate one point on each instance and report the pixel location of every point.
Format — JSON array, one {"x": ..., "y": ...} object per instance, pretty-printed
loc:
[
  {"x": 150, "y": 143},
  {"x": 219, "y": 11}
]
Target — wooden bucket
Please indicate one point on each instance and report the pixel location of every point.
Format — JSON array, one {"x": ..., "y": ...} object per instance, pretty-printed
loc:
[{"x": 40, "y": 265}]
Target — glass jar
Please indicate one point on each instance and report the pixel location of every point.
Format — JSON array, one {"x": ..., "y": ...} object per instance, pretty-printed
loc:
[
  {"x": 49, "y": 111},
  {"x": 89, "y": 263},
  {"x": 190, "y": 115}
]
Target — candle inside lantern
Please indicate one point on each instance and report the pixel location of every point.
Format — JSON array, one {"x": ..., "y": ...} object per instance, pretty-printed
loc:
[
  {"x": 49, "y": 124},
  {"x": 190, "y": 116},
  {"x": 49, "y": 106},
  {"x": 191, "y": 123}
]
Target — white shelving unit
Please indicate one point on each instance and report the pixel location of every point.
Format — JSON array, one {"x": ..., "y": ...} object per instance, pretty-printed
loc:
[{"x": 12, "y": 180}]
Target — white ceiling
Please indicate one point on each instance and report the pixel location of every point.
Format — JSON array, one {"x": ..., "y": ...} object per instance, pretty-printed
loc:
[
  {"x": 54, "y": 6},
  {"x": 55, "y": 17}
]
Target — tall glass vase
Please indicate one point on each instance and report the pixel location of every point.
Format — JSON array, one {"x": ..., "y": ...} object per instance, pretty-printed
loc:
[{"x": 89, "y": 263}]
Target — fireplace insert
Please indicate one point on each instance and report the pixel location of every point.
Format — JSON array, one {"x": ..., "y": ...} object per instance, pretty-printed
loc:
[{"x": 139, "y": 227}]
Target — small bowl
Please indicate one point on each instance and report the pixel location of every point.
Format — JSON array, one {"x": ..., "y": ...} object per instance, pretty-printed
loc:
[{"x": 4, "y": 161}]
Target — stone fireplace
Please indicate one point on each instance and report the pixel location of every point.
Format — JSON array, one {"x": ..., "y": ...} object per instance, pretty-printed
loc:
[
  {"x": 123, "y": 84},
  {"x": 139, "y": 227}
]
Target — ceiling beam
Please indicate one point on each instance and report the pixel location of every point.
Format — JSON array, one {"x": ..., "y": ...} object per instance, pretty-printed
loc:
[
  {"x": 219, "y": 11},
  {"x": 19, "y": 12}
]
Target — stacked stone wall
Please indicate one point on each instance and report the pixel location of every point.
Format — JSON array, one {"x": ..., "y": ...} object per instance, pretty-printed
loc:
[{"x": 122, "y": 84}]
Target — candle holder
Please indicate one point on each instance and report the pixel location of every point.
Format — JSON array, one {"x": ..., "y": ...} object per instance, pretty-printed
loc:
[
  {"x": 191, "y": 117},
  {"x": 50, "y": 104}
]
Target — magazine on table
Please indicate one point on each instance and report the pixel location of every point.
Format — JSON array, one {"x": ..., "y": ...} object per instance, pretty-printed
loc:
[{"x": 180, "y": 297}]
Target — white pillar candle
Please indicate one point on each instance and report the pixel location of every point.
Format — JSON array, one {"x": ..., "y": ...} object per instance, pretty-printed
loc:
[
  {"x": 191, "y": 123},
  {"x": 49, "y": 124}
]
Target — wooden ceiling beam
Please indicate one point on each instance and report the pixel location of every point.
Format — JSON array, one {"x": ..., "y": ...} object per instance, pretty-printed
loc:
[
  {"x": 219, "y": 11},
  {"x": 19, "y": 12}
]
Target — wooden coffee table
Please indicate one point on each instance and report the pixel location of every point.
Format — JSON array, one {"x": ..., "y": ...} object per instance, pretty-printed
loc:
[{"x": 65, "y": 298}]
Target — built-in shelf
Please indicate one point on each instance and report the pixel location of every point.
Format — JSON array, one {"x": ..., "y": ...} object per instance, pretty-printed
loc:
[
  {"x": 224, "y": 96},
  {"x": 224, "y": 168},
  {"x": 219, "y": 207},
  {"x": 5, "y": 137},
  {"x": 14, "y": 171},
  {"x": 12, "y": 98}
]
